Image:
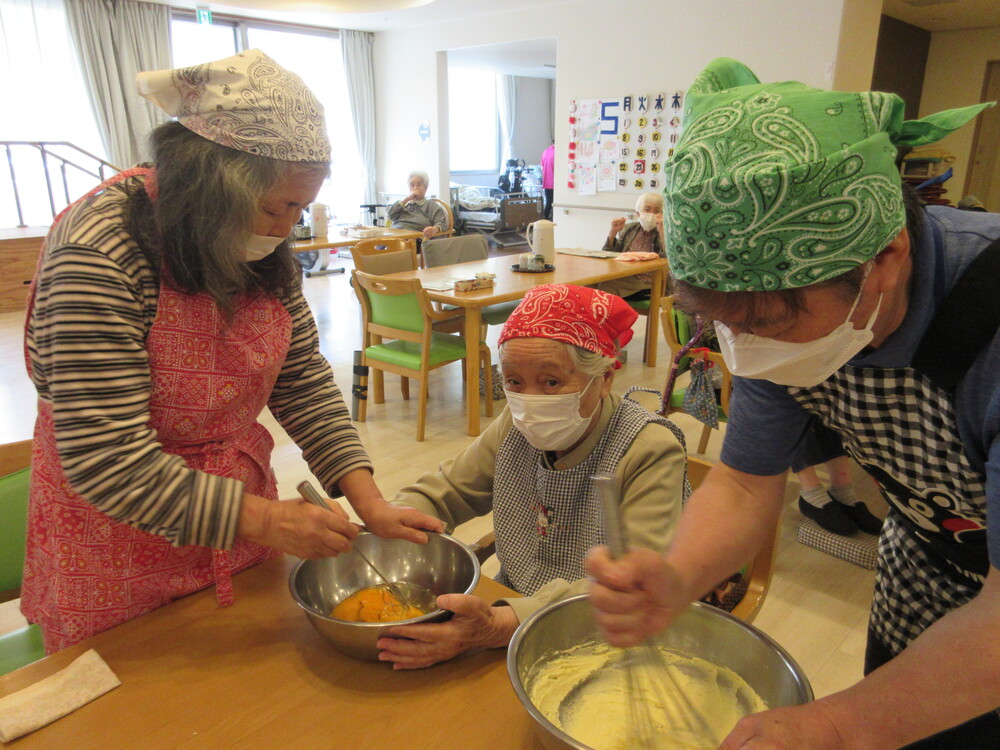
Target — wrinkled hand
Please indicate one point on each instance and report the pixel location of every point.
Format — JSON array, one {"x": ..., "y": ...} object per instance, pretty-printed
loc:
[
  {"x": 430, "y": 231},
  {"x": 785, "y": 729},
  {"x": 475, "y": 625},
  {"x": 396, "y": 522},
  {"x": 296, "y": 527},
  {"x": 616, "y": 226},
  {"x": 633, "y": 597}
]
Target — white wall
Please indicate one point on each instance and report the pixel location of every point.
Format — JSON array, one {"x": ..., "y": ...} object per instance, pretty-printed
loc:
[
  {"x": 956, "y": 65},
  {"x": 533, "y": 128},
  {"x": 653, "y": 45}
]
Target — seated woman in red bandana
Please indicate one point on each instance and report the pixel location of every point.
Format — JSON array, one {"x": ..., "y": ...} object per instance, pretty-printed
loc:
[{"x": 532, "y": 468}]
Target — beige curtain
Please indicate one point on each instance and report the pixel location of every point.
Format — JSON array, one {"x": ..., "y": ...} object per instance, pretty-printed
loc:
[
  {"x": 356, "y": 52},
  {"x": 115, "y": 40}
]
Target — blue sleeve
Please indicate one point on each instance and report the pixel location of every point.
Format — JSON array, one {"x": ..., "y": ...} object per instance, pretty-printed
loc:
[
  {"x": 993, "y": 502},
  {"x": 764, "y": 429}
]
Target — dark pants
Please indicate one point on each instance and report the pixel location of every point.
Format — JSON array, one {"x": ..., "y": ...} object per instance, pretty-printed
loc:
[
  {"x": 547, "y": 211},
  {"x": 819, "y": 445},
  {"x": 981, "y": 733}
]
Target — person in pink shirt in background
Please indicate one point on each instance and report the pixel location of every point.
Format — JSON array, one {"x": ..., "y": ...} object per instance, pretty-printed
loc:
[{"x": 548, "y": 178}]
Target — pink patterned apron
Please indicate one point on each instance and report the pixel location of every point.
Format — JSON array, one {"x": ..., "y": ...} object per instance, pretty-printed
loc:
[{"x": 85, "y": 572}]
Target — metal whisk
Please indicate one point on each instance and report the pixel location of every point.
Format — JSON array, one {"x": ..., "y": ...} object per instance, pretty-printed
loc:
[{"x": 646, "y": 658}]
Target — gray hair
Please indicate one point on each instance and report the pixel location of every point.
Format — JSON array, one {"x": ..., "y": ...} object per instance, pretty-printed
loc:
[
  {"x": 422, "y": 176},
  {"x": 592, "y": 364},
  {"x": 208, "y": 199},
  {"x": 656, "y": 198},
  {"x": 589, "y": 363}
]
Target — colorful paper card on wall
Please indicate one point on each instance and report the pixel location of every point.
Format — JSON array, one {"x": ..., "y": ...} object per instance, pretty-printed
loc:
[{"x": 621, "y": 144}]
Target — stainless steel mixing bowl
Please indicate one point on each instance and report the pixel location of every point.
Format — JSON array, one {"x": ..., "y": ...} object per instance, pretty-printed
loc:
[
  {"x": 443, "y": 566},
  {"x": 702, "y": 631}
]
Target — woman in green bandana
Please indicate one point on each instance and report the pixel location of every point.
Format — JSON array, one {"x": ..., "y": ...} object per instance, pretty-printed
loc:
[{"x": 839, "y": 298}]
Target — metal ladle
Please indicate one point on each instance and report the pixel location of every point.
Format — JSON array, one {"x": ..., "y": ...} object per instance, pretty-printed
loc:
[{"x": 309, "y": 493}]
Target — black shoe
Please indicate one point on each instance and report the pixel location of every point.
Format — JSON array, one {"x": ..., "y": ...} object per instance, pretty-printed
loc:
[
  {"x": 863, "y": 518},
  {"x": 832, "y": 517}
]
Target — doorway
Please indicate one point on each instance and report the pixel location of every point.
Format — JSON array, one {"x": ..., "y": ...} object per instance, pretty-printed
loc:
[
  {"x": 501, "y": 117},
  {"x": 984, "y": 172}
]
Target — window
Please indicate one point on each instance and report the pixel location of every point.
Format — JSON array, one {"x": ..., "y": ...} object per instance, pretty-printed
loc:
[
  {"x": 472, "y": 121},
  {"x": 314, "y": 55},
  {"x": 192, "y": 43},
  {"x": 45, "y": 99}
]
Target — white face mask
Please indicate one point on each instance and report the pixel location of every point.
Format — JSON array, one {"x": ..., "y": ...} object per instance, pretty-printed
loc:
[
  {"x": 550, "y": 422},
  {"x": 260, "y": 246},
  {"x": 797, "y": 364},
  {"x": 647, "y": 220}
]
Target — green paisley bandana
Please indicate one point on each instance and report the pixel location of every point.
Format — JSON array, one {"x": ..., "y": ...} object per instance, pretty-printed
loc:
[{"x": 776, "y": 186}]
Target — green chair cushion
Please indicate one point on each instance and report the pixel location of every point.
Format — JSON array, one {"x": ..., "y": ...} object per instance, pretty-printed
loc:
[
  {"x": 497, "y": 314},
  {"x": 494, "y": 315},
  {"x": 20, "y": 648},
  {"x": 639, "y": 305},
  {"x": 402, "y": 311},
  {"x": 14, "y": 522},
  {"x": 444, "y": 348}
]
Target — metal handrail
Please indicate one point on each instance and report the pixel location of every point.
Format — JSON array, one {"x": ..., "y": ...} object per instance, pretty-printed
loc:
[{"x": 100, "y": 171}]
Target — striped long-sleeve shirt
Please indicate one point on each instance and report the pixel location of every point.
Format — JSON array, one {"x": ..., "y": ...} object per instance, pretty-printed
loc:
[{"x": 95, "y": 302}]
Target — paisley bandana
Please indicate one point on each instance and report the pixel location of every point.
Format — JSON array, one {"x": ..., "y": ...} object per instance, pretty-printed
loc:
[
  {"x": 777, "y": 186},
  {"x": 588, "y": 318},
  {"x": 247, "y": 102}
]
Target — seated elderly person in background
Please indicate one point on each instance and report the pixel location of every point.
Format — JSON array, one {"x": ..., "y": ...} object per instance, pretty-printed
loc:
[
  {"x": 416, "y": 212},
  {"x": 642, "y": 236},
  {"x": 532, "y": 468}
]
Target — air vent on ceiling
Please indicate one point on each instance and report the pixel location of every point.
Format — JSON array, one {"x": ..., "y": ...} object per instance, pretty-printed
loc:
[{"x": 924, "y": 3}]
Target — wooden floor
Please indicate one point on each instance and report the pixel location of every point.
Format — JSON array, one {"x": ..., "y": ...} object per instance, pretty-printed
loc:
[{"x": 817, "y": 607}]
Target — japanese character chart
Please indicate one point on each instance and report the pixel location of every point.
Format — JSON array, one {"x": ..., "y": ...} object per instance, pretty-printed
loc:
[{"x": 621, "y": 144}]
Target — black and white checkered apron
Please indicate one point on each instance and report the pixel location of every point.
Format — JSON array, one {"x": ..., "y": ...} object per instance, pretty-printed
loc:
[
  {"x": 901, "y": 425},
  {"x": 545, "y": 520}
]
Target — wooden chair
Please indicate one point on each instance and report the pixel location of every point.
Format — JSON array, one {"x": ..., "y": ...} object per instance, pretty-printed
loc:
[
  {"x": 24, "y": 645},
  {"x": 756, "y": 575},
  {"x": 400, "y": 311},
  {"x": 451, "y": 217},
  {"x": 677, "y": 330},
  {"x": 468, "y": 247},
  {"x": 380, "y": 256}
]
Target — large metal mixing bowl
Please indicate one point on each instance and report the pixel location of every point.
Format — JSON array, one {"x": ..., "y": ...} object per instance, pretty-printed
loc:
[
  {"x": 442, "y": 566},
  {"x": 702, "y": 631}
]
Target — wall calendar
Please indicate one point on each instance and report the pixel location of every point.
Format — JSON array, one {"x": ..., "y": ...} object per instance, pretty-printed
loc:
[{"x": 622, "y": 144}]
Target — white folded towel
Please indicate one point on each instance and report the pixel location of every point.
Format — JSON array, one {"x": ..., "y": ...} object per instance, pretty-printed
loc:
[{"x": 87, "y": 678}]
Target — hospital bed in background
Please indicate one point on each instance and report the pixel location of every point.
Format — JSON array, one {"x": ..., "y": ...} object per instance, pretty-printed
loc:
[{"x": 490, "y": 211}]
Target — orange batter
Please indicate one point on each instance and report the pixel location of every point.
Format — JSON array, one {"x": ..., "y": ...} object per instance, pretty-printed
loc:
[{"x": 374, "y": 604}]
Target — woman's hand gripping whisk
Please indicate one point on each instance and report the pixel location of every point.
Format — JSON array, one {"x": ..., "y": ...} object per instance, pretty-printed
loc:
[{"x": 648, "y": 675}]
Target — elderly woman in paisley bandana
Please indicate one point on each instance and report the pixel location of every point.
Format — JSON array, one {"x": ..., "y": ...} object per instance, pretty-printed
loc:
[
  {"x": 532, "y": 468},
  {"x": 839, "y": 298},
  {"x": 166, "y": 315}
]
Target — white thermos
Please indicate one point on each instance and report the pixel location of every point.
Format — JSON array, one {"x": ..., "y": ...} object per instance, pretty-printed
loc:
[
  {"x": 542, "y": 239},
  {"x": 319, "y": 217}
]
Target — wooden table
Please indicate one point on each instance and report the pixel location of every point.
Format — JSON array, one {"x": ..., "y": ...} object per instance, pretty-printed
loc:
[
  {"x": 330, "y": 242},
  {"x": 257, "y": 675},
  {"x": 510, "y": 285}
]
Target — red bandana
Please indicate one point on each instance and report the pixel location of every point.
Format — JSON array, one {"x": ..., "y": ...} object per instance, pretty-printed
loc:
[{"x": 588, "y": 318}]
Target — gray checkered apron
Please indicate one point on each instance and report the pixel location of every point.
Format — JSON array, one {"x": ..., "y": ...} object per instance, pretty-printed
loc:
[
  {"x": 901, "y": 425},
  {"x": 545, "y": 520}
]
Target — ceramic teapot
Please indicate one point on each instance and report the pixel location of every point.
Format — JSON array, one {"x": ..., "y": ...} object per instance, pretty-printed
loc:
[{"x": 542, "y": 240}]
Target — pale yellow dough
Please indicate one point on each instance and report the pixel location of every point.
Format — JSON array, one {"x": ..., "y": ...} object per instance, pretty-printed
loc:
[{"x": 601, "y": 714}]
